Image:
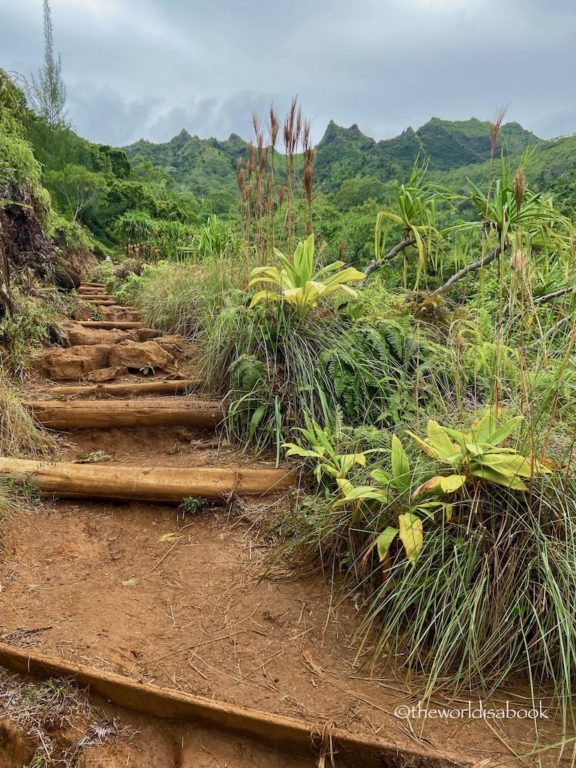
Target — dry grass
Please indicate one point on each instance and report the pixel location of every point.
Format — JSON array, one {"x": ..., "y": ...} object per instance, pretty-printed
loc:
[
  {"x": 19, "y": 434},
  {"x": 56, "y": 717}
]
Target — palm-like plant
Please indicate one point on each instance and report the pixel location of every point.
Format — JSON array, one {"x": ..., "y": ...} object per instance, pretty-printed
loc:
[
  {"x": 509, "y": 205},
  {"x": 298, "y": 282},
  {"x": 416, "y": 214}
]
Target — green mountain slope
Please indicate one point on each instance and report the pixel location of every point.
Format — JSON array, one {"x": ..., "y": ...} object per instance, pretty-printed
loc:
[
  {"x": 343, "y": 153},
  {"x": 202, "y": 165}
]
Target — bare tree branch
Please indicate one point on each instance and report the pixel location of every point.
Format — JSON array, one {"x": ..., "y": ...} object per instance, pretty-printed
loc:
[
  {"x": 555, "y": 294},
  {"x": 398, "y": 248},
  {"x": 476, "y": 265},
  {"x": 556, "y": 327}
]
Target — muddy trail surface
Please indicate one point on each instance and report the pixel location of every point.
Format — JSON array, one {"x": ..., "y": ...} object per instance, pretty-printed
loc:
[{"x": 111, "y": 577}]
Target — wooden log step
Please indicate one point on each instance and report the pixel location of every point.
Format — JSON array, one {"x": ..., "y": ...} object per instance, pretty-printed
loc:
[
  {"x": 158, "y": 485},
  {"x": 98, "y": 297},
  {"x": 92, "y": 288},
  {"x": 92, "y": 285},
  {"x": 304, "y": 738},
  {"x": 172, "y": 387},
  {"x": 101, "y": 302},
  {"x": 122, "y": 325},
  {"x": 107, "y": 414}
]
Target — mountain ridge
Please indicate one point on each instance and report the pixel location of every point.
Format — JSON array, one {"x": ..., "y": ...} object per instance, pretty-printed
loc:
[{"x": 342, "y": 153}]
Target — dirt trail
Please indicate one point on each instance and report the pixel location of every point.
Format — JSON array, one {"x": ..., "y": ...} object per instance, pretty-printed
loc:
[{"x": 184, "y": 600}]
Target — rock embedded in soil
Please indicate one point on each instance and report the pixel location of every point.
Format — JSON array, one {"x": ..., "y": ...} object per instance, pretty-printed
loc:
[
  {"x": 107, "y": 374},
  {"x": 136, "y": 356},
  {"x": 173, "y": 344},
  {"x": 81, "y": 312},
  {"x": 73, "y": 363},
  {"x": 146, "y": 334},
  {"x": 79, "y": 336}
]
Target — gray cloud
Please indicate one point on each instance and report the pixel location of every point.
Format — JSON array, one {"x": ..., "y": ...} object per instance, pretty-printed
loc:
[{"x": 150, "y": 69}]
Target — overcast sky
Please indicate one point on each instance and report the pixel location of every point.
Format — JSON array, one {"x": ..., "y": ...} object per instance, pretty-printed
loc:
[{"x": 148, "y": 68}]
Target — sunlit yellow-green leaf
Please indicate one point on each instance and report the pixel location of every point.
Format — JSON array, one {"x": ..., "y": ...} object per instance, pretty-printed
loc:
[{"x": 411, "y": 535}]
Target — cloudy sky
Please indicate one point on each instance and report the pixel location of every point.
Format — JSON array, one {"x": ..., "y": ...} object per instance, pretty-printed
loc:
[{"x": 148, "y": 68}]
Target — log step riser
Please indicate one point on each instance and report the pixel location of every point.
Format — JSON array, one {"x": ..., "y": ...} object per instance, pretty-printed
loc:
[
  {"x": 154, "y": 387},
  {"x": 109, "y": 325},
  {"x": 285, "y": 734},
  {"x": 156, "y": 485},
  {"x": 113, "y": 414}
]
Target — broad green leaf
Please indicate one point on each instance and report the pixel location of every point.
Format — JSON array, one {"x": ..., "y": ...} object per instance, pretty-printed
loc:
[
  {"x": 443, "y": 483},
  {"x": 345, "y": 486},
  {"x": 507, "y": 464},
  {"x": 363, "y": 493},
  {"x": 400, "y": 465},
  {"x": 452, "y": 483},
  {"x": 255, "y": 421},
  {"x": 384, "y": 541},
  {"x": 296, "y": 450},
  {"x": 264, "y": 296},
  {"x": 380, "y": 476},
  {"x": 493, "y": 476},
  {"x": 497, "y": 437}
]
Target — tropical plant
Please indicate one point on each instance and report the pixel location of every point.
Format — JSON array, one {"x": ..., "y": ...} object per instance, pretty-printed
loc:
[
  {"x": 301, "y": 284},
  {"x": 473, "y": 455},
  {"x": 417, "y": 217},
  {"x": 478, "y": 454},
  {"x": 325, "y": 452}
]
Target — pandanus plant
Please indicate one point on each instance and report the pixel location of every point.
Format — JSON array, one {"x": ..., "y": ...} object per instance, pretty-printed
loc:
[{"x": 300, "y": 283}]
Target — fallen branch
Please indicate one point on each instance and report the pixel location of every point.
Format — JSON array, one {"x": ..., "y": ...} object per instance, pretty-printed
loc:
[
  {"x": 398, "y": 248},
  {"x": 555, "y": 294},
  {"x": 556, "y": 327},
  {"x": 465, "y": 271}
]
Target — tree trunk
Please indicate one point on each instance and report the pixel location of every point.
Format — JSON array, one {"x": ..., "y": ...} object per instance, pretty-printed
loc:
[{"x": 6, "y": 306}]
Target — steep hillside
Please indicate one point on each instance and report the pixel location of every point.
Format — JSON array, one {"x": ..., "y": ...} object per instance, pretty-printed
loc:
[
  {"x": 199, "y": 164},
  {"x": 24, "y": 202}
]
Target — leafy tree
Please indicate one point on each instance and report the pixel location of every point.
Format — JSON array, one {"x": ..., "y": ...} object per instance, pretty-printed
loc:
[
  {"x": 357, "y": 191},
  {"x": 47, "y": 91},
  {"x": 75, "y": 189}
]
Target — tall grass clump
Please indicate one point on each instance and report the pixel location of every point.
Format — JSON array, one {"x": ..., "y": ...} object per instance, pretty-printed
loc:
[
  {"x": 306, "y": 344},
  {"x": 491, "y": 594},
  {"x": 19, "y": 433}
]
